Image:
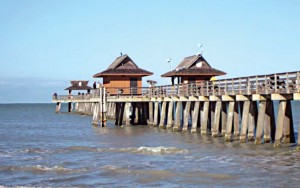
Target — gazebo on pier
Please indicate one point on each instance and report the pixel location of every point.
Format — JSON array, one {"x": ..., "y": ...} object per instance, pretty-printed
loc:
[
  {"x": 123, "y": 76},
  {"x": 193, "y": 69},
  {"x": 79, "y": 85}
]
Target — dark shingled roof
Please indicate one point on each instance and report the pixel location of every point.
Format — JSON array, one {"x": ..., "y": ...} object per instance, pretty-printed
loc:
[
  {"x": 123, "y": 65},
  {"x": 79, "y": 85},
  {"x": 194, "y": 65}
]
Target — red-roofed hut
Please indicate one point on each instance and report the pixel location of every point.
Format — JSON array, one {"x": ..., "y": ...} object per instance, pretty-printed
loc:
[{"x": 122, "y": 75}]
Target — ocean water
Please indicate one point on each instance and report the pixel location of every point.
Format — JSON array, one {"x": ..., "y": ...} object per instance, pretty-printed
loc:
[{"x": 39, "y": 148}]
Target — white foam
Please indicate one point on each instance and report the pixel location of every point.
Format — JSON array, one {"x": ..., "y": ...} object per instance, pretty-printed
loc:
[{"x": 161, "y": 150}]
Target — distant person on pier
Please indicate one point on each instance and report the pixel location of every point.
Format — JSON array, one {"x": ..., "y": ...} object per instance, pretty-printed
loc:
[
  {"x": 94, "y": 85},
  {"x": 55, "y": 95},
  {"x": 98, "y": 85}
]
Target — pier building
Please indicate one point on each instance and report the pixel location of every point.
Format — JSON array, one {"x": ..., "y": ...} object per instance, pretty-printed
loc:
[
  {"x": 193, "y": 69},
  {"x": 122, "y": 76}
]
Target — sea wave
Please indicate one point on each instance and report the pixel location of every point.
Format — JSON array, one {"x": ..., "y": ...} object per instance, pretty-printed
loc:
[
  {"x": 159, "y": 150},
  {"x": 35, "y": 150},
  {"x": 39, "y": 169}
]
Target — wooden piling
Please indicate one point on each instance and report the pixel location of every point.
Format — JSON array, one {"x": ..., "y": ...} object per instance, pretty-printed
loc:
[
  {"x": 58, "y": 106},
  {"x": 156, "y": 112},
  {"x": 135, "y": 113},
  {"x": 236, "y": 123},
  {"x": 163, "y": 115},
  {"x": 150, "y": 121},
  {"x": 177, "y": 124},
  {"x": 195, "y": 117},
  {"x": 298, "y": 143},
  {"x": 245, "y": 120},
  {"x": 186, "y": 117},
  {"x": 121, "y": 114},
  {"x": 252, "y": 120},
  {"x": 204, "y": 117},
  {"x": 117, "y": 114},
  {"x": 269, "y": 128},
  {"x": 224, "y": 118},
  {"x": 280, "y": 123},
  {"x": 170, "y": 115},
  {"x": 229, "y": 122},
  {"x": 216, "y": 123},
  {"x": 145, "y": 113},
  {"x": 127, "y": 113},
  {"x": 96, "y": 114},
  {"x": 260, "y": 121},
  {"x": 289, "y": 136},
  {"x": 70, "y": 107}
]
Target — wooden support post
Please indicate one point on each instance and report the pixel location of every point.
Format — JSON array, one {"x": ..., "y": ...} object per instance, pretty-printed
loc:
[
  {"x": 269, "y": 128},
  {"x": 156, "y": 111},
  {"x": 76, "y": 106},
  {"x": 111, "y": 108},
  {"x": 114, "y": 109},
  {"x": 236, "y": 121},
  {"x": 70, "y": 107},
  {"x": 163, "y": 115},
  {"x": 280, "y": 123},
  {"x": 96, "y": 114},
  {"x": 260, "y": 121},
  {"x": 289, "y": 136},
  {"x": 217, "y": 113},
  {"x": 121, "y": 114},
  {"x": 136, "y": 113},
  {"x": 140, "y": 113},
  {"x": 117, "y": 114},
  {"x": 204, "y": 117},
  {"x": 150, "y": 122},
  {"x": 108, "y": 110},
  {"x": 195, "y": 117},
  {"x": 127, "y": 113},
  {"x": 132, "y": 113},
  {"x": 58, "y": 106},
  {"x": 170, "y": 115},
  {"x": 186, "y": 117},
  {"x": 145, "y": 113},
  {"x": 245, "y": 120},
  {"x": 252, "y": 120},
  {"x": 177, "y": 126},
  {"x": 298, "y": 143},
  {"x": 104, "y": 109},
  {"x": 229, "y": 121},
  {"x": 89, "y": 111},
  {"x": 211, "y": 115},
  {"x": 224, "y": 118}
]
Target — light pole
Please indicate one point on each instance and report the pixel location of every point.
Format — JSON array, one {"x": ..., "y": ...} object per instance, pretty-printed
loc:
[
  {"x": 169, "y": 60},
  {"x": 200, "y": 46}
]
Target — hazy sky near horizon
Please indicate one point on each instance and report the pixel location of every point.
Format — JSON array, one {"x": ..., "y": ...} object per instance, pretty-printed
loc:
[{"x": 45, "y": 44}]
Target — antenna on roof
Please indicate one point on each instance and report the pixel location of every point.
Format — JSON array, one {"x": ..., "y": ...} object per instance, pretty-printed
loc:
[
  {"x": 169, "y": 60},
  {"x": 200, "y": 46}
]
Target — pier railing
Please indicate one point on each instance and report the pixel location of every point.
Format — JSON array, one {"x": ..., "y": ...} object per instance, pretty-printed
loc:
[{"x": 280, "y": 83}]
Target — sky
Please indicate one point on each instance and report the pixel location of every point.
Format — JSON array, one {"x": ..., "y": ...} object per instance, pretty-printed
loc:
[{"x": 45, "y": 44}]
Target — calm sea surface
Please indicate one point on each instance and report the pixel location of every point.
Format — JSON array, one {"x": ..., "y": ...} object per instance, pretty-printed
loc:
[{"x": 40, "y": 148}]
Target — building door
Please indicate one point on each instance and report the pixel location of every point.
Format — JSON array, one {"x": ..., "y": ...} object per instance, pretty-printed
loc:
[
  {"x": 192, "y": 85},
  {"x": 133, "y": 85}
]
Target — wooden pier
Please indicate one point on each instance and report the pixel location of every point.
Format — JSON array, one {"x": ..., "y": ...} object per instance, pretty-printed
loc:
[{"x": 236, "y": 109}]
